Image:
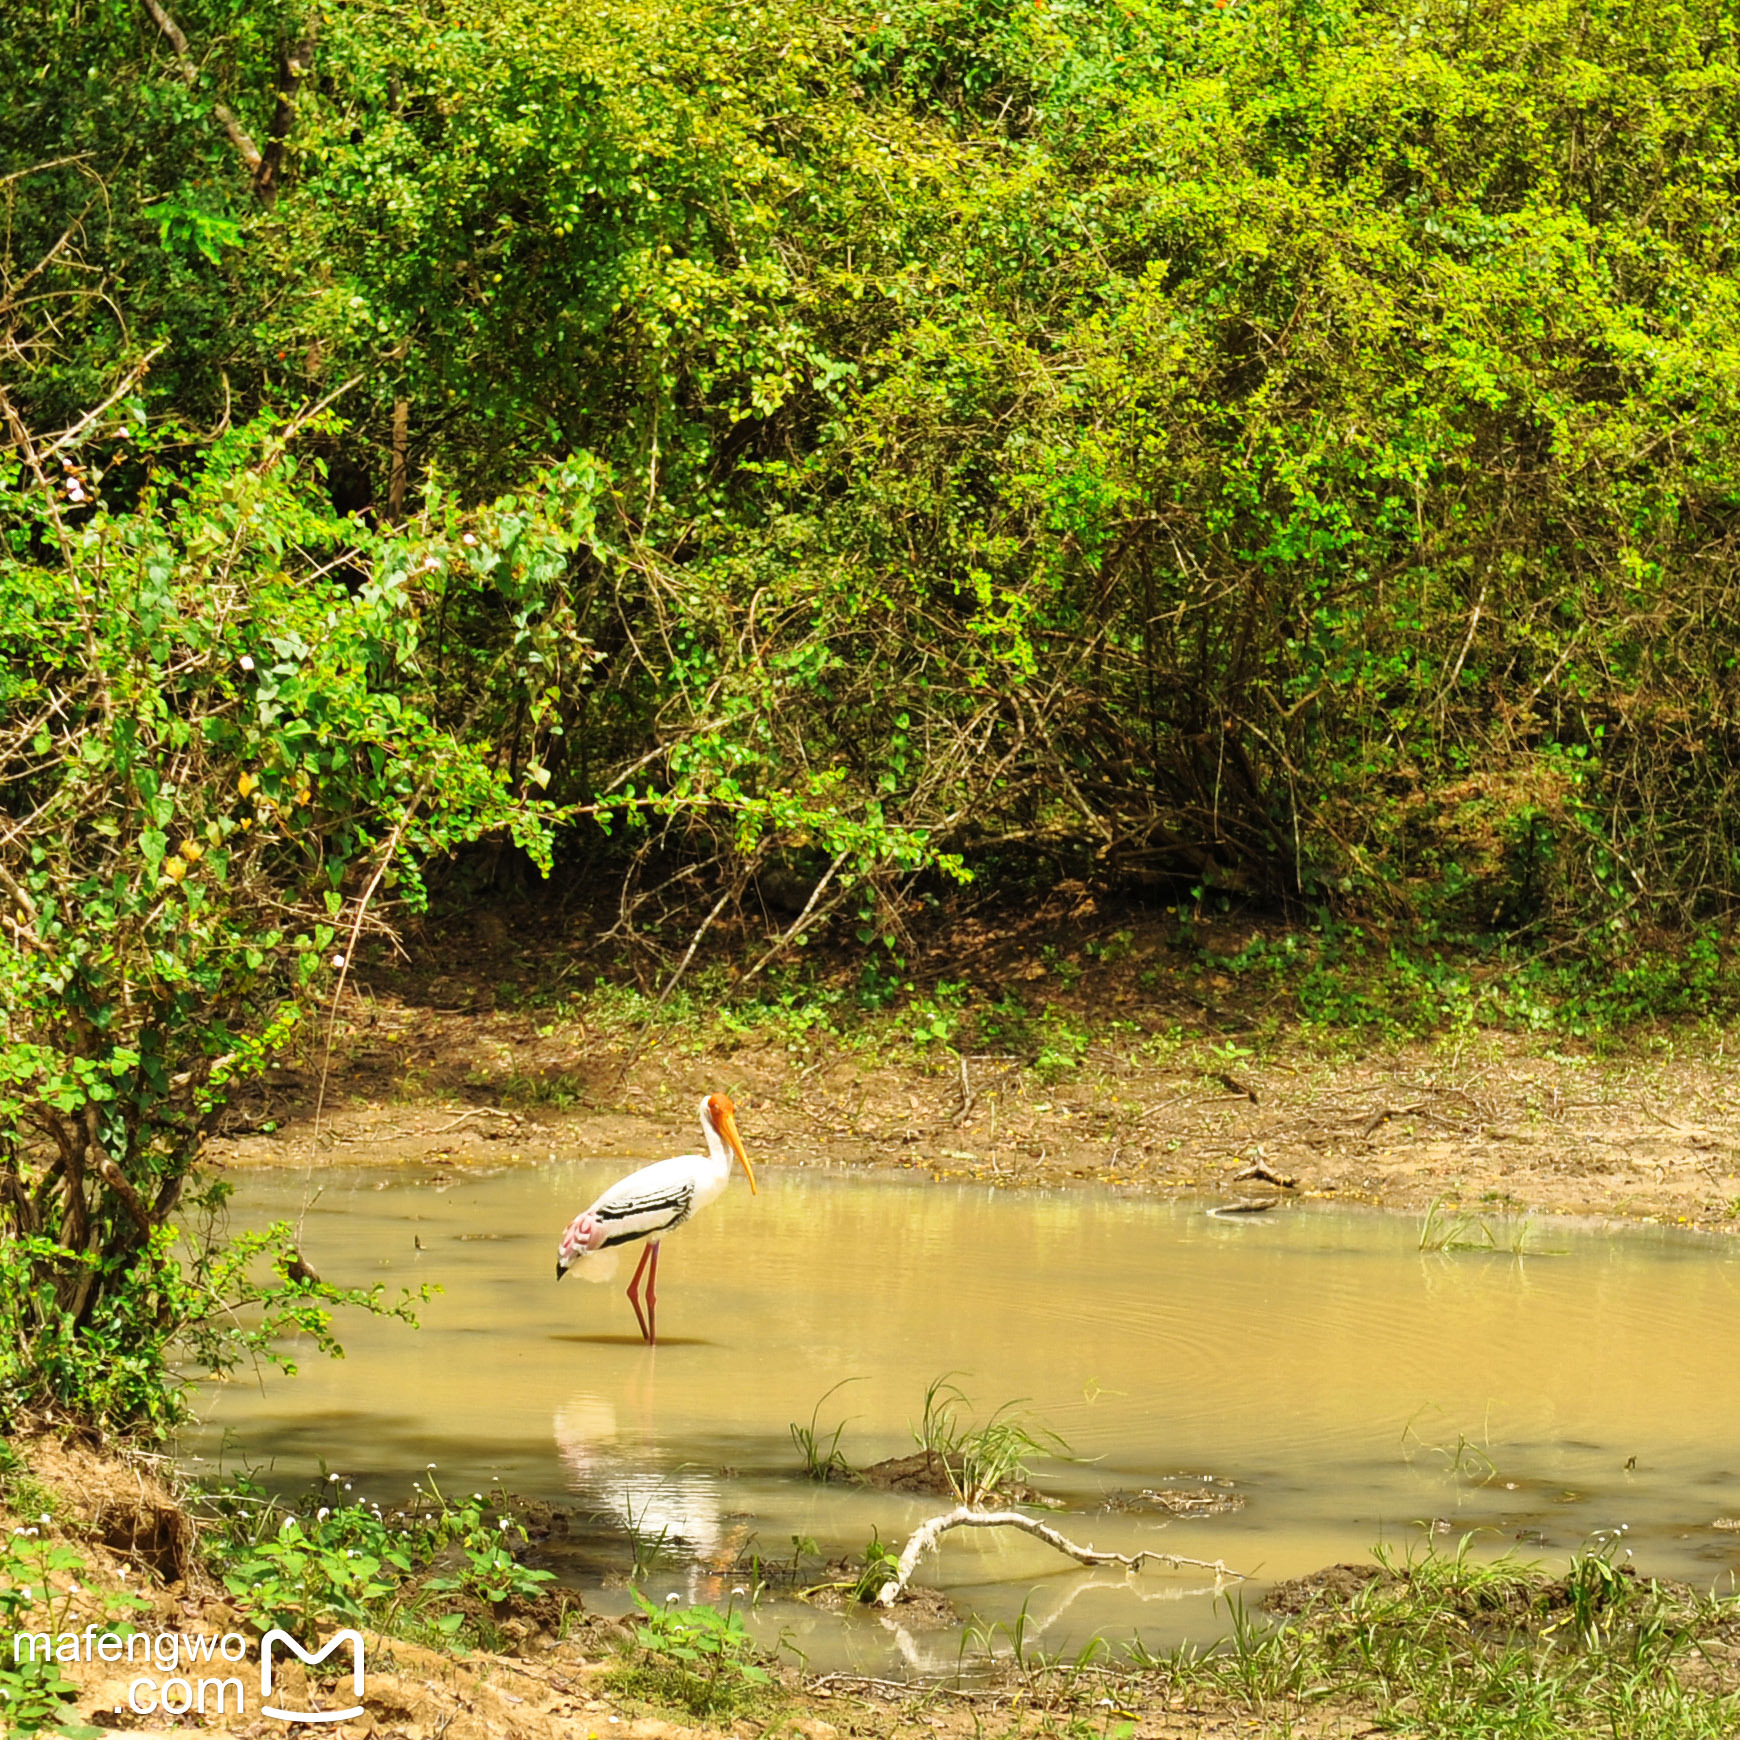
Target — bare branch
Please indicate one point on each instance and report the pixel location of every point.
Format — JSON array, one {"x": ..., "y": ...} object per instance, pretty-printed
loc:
[
  {"x": 189, "y": 68},
  {"x": 801, "y": 920},
  {"x": 963, "y": 1517},
  {"x": 42, "y": 265},
  {"x": 133, "y": 377}
]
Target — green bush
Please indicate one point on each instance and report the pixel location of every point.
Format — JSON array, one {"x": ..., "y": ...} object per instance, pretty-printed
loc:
[
  {"x": 1282, "y": 450},
  {"x": 329, "y": 1558},
  {"x": 222, "y": 738}
]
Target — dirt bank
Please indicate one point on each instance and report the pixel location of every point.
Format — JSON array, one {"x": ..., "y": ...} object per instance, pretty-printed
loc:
[
  {"x": 1494, "y": 1122},
  {"x": 1452, "y": 1635}
]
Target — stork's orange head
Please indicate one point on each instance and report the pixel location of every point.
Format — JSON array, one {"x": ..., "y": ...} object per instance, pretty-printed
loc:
[{"x": 722, "y": 1115}]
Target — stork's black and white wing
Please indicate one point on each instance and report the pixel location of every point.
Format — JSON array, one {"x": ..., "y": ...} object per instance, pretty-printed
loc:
[{"x": 650, "y": 1202}]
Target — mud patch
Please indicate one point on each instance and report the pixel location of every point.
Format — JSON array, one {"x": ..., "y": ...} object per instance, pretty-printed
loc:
[
  {"x": 118, "y": 1503},
  {"x": 1335, "y": 1586},
  {"x": 929, "y": 1474},
  {"x": 916, "y": 1609}
]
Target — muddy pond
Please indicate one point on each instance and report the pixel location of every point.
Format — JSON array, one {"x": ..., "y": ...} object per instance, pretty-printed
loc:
[{"x": 1282, "y": 1391}]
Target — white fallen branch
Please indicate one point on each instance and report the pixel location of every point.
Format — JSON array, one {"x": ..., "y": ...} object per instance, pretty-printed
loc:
[{"x": 926, "y": 1536}]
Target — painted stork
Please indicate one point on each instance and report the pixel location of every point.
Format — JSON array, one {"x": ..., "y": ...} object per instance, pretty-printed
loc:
[{"x": 650, "y": 1203}]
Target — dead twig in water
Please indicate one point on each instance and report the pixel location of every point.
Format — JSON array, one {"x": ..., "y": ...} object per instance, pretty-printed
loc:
[{"x": 926, "y": 1535}]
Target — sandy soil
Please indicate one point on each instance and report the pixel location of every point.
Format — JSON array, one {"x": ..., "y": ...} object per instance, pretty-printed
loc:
[{"x": 1498, "y": 1124}]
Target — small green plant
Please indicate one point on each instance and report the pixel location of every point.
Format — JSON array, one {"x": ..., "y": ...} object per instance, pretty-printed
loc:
[
  {"x": 1063, "y": 1043},
  {"x": 299, "y": 1578},
  {"x": 696, "y": 1658},
  {"x": 1465, "y": 1459},
  {"x": 1597, "y": 1588},
  {"x": 33, "y": 1692},
  {"x": 981, "y": 1460},
  {"x": 1024, "y": 1658},
  {"x": 935, "y": 1018},
  {"x": 648, "y": 1549},
  {"x": 1451, "y": 1229},
  {"x": 823, "y": 1458},
  {"x": 881, "y": 1567},
  {"x": 491, "y": 1573},
  {"x": 354, "y": 1563}
]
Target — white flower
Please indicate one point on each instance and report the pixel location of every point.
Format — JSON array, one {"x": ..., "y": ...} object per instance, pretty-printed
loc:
[
  {"x": 247, "y": 663},
  {"x": 672, "y": 1599},
  {"x": 337, "y": 963},
  {"x": 322, "y": 1514},
  {"x": 468, "y": 539}
]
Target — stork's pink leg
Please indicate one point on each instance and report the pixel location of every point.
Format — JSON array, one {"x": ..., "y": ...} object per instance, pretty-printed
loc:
[
  {"x": 651, "y": 1250},
  {"x": 652, "y": 1298}
]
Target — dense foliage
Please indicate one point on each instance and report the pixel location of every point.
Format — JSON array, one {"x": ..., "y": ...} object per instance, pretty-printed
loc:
[
  {"x": 218, "y": 744},
  {"x": 1282, "y": 446}
]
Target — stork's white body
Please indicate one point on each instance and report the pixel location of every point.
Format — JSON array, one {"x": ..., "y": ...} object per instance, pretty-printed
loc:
[{"x": 650, "y": 1203}]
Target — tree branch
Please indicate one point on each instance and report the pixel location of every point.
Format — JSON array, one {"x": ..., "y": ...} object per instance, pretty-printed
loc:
[
  {"x": 801, "y": 920},
  {"x": 927, "y": 1534},
  {"x": 189, "y": 69},
  {"x": 291, "y": 72}
]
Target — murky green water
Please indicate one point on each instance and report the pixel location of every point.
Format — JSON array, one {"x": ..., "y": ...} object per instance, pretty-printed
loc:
[{"x": 1346, "y": 1385}]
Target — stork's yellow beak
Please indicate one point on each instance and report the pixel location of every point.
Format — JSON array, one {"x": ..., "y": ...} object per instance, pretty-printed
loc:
[{"x": 728, "y": 1129}]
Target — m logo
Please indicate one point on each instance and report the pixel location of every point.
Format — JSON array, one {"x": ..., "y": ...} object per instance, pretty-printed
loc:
[{"x": 356, "y": 1674}]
